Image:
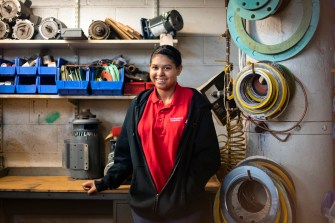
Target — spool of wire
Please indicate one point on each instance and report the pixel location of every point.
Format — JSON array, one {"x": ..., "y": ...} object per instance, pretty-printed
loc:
[
  {"x": 23, "y": 29},
  {"x": 262, "y": 90},
  {"x": 98, "y": 30}
]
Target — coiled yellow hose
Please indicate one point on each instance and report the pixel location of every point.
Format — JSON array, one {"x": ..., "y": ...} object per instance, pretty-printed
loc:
[{"x": 233, "y": 149}]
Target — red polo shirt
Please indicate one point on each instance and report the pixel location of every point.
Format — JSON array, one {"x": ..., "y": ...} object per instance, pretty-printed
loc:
[{"x": 160, "y": 129}]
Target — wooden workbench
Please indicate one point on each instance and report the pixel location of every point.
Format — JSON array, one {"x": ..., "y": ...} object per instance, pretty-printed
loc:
[
  {"x": 45, "y": 184},
  {"x": 60, "y": 184},
  {"x": 48, "y": 198}
]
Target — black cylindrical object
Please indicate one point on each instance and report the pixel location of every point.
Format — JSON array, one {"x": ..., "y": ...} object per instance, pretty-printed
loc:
[
  {"x": 82, "y": 153},
  {"x": 169, "y": 22}
]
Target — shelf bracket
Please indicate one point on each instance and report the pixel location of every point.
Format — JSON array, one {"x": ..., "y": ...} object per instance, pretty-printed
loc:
[
  {"x": 76, "y": 17},
  {"x": 75, "y": 52},
  {"x": 156, "y": 7},
  {"x": 75, "y": 106},
  {"x": 2, "y": 165},
  {"x": 166, "y": 39}
]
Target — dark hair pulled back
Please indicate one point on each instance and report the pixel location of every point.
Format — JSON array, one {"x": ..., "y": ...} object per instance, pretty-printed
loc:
[{"x": 171, "y": 52}]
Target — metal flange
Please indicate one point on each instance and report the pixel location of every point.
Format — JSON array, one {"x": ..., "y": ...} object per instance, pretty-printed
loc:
[
  {"x": 269, "y": 8},
  {"x": 284, "y": 51}
]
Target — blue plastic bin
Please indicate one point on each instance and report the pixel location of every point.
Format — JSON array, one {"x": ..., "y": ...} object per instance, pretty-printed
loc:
[
  {"x": 46, "y": 84},
  {"x": 107, "y": 87},
  {"x": 45, "y": 70},
  {"x": 9, "y": 70},
  {"x": 20, "y": 70},
  {"x": 70, "y": 87},
  {"x": 6, "y": 88},
  {"x": 7, "y": 77},
  {"x": 26, "y": 84}
]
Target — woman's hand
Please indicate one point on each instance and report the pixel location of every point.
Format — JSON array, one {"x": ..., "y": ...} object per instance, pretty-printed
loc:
[{"x": 89, "y": 186}]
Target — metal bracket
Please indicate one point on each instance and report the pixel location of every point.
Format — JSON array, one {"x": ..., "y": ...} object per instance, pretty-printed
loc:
[
  {"x": 75, "y": 106},
  {"x": 2, "y": 165},
  {"x": 75, "y": 52},
  {"x": 76, "y": 156}
]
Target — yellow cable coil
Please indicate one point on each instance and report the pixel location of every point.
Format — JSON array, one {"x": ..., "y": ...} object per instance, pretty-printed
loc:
[
  {"x": 239, "y": 197},
  {"x": 233, "y": 149},
  {"x": 262, "y": 90}
]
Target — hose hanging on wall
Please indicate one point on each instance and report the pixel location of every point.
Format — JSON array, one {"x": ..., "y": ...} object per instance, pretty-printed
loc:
[
  {"x": 256, "y": 190},
  {"x": 234, "y": 149}
]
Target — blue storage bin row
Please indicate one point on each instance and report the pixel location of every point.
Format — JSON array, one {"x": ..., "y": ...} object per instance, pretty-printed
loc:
[
  {"x": 7, "y": 76},
  {"x": 24, "y": 70},
  {"x": 45, "y": 70},
  {"x": 73, "y": 87},
  {"x": 89, "y": 86},
  {"x": 27, "y": 82},
  {"x": 107, "y": 87}
]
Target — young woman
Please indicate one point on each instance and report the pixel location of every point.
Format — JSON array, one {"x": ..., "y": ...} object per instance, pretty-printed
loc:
[{"x": 168, "y": 144}]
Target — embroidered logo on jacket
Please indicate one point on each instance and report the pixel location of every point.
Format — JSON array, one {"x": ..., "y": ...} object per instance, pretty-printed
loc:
[{"x": 176, "y": 119}]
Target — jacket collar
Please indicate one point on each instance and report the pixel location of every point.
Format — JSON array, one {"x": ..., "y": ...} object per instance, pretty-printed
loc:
[{"x": 178, "y": 96}]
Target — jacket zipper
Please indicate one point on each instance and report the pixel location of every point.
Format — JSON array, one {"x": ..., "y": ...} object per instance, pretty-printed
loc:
[
  {"x": 173, "y": 170},
  {"x": 152, "y": 181},
  {"x": 156, "y": 202},
  {"x": 172, "y": 173}
]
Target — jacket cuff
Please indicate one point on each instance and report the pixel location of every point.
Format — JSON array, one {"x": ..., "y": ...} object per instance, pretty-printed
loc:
[{"x": 100, "y": 185}]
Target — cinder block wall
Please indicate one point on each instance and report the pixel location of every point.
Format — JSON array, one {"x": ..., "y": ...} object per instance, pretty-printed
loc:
[{"x": 31, "y": 142}]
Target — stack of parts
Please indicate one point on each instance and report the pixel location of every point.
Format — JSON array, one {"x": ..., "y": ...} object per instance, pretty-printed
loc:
[
  {"x": 123, "y": 31},
  {"x": 256, "y": 190}
]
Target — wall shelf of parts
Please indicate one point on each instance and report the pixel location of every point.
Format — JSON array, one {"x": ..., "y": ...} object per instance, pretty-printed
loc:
[
  {"x": 79, "y": 44},
  {"x": 47, "y": 96}
]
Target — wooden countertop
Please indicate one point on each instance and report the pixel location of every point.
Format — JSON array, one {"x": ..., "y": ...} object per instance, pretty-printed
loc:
[{"x": 62, "y": 184}]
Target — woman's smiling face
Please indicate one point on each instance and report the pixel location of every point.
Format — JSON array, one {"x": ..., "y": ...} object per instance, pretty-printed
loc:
[{"x": 163, "y": 72}]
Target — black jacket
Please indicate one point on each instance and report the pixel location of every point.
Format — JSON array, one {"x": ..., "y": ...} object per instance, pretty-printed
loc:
[{"x": 198, "y": 158}]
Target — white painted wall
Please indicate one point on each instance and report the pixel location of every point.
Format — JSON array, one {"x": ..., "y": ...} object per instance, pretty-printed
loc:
[{"x": 307, "y": 155}]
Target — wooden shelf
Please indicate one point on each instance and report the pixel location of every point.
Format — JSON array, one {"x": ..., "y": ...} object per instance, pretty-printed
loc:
[
  {"x": 38, "y": 96},
  {"x": 81, "y": 44}
]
